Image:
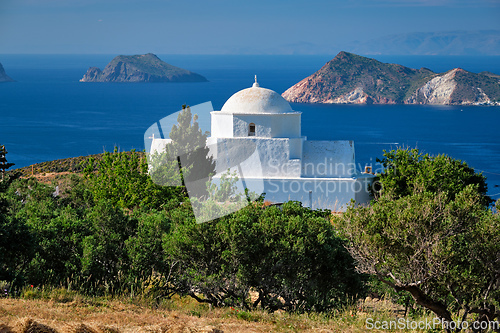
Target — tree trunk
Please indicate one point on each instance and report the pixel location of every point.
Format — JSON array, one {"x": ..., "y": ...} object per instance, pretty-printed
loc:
[{"x": 422, "y": 299}]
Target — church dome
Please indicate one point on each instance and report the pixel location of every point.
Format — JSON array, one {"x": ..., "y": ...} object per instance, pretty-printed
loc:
[{"x": 256, "y": 100}]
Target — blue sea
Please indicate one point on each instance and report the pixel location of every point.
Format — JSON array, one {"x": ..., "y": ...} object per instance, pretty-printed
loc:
[{"x": 48, "y": 114}]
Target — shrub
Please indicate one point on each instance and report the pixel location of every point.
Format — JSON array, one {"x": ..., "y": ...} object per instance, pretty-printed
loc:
[{"x": 291, "y": 257}]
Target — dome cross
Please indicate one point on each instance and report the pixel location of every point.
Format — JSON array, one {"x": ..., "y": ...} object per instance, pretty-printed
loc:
[{"x": 256, "y": 84}]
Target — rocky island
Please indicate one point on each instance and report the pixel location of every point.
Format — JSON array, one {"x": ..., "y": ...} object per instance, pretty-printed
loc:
[
  {"x": 3, "y": 76},
  {"x": 140, "y": 68},
  {"x": 350, "y": 78}
]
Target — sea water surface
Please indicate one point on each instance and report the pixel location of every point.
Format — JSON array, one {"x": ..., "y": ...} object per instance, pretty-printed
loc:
[{"x": 48, "y": 114}]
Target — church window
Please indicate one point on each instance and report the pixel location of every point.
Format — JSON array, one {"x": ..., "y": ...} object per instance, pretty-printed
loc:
[{"x": 251, "y": 129}]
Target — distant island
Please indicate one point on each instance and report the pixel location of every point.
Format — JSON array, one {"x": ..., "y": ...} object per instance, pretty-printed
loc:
[
  {"x": 352, "y": 79},
  {"x": 140, "y": 68},
  {"x": 3, "y": 76}
]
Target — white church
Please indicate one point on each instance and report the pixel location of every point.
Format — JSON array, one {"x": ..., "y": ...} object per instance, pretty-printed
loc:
[{"x": 258, "y": 136}]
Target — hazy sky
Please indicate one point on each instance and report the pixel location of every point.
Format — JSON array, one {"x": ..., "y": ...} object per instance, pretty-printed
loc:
[{"x": 225, "y": 26}]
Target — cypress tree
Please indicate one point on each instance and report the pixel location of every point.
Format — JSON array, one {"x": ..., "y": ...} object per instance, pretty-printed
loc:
[{"x": 4, "y": 165}]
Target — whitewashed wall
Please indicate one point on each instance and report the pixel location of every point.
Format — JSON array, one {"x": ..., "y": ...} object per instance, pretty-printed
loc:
[
  {"x": 270, "y": 156},
  {"x": 267, "y": 125},
  {"x": 325, "y": 193},
  {"x": 328, "y": 159},
  {"x": 221, "y": 125}
]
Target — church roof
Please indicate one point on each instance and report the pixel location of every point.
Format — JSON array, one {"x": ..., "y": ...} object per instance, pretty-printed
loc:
[{"x": 256, "y": 100}]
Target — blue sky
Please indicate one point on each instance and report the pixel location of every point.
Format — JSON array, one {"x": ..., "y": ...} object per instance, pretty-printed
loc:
[{"x": 226, "y": 26}]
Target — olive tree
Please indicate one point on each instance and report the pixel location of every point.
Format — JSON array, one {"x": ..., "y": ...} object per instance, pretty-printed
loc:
[{"x": 436, "y": 240}]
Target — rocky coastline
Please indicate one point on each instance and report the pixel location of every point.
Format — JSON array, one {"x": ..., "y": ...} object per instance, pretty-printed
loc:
[{"x": 353, "y": 79}]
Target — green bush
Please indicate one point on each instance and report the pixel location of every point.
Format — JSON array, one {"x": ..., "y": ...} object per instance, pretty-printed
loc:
[
  {"x": 409, "y": 171},
  {"x": 291, "y": 257},
  {"x": 121, "y": 179}
]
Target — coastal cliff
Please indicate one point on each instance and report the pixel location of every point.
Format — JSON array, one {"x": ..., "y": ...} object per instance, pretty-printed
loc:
[
  {"x": 458, "y": 87},
  {"x": 140, "y": 68},
  {"x": 353, "y": 79},
  {"x": 3, "y": 76}
]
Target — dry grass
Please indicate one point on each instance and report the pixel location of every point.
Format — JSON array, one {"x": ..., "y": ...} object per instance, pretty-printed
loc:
[
  {"x": 33, "y": 316},
  {"x": 176, "y": 316}
]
